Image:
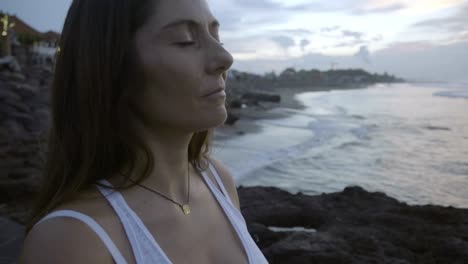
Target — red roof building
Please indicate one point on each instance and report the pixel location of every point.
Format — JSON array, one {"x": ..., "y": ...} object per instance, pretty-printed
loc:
[
  {"x": 23, "y": 39},
  {"x": 22, "y": 28}
]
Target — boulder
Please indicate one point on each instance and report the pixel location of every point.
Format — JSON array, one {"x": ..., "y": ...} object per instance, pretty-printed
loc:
[
  {"x": 261, "y": 97},
  {"x": 10, "y": 63},
  {"x": 231, "y": 119}
]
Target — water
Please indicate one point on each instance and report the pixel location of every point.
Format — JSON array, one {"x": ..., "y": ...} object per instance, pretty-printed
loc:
[{"x": 407, "y": 140}]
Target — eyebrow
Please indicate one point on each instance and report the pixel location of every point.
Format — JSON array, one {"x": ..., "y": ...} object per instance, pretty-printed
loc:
[{"x": 213, "y": 24}]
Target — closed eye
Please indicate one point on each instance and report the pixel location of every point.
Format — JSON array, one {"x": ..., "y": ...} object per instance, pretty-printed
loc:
[{"x": 185, "y": 43}]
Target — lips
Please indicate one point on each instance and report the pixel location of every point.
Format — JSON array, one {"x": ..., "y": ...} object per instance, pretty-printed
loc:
[{"x": 217, "y": 90}]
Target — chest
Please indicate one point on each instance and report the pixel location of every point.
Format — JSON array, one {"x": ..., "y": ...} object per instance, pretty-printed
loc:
[{"x": 204, "y": 236}]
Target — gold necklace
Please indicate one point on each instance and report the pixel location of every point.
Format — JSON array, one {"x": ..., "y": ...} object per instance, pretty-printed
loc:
[{"x": 185, "y": 207}]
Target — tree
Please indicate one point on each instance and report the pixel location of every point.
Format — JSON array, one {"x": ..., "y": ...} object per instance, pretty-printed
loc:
[
  {"x": 27, "y": 39},
  {"x": 5, "y": 38}
]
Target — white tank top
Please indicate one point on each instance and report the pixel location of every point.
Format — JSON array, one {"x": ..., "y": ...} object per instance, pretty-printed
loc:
[{"x": 144, "y": 246}]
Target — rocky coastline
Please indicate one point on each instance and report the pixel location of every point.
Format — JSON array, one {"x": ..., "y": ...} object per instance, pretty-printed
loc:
[
  {"x": 24, "y": 118},
  {"x": 251, "y": 96},
  {"x": 353, "y": 226}
]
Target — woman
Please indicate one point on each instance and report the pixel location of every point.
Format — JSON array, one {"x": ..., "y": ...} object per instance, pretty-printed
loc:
[{"x": 138, "y": 87}]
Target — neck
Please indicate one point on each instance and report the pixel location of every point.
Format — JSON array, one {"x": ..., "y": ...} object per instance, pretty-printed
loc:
[{"x": 169, "y": 148}]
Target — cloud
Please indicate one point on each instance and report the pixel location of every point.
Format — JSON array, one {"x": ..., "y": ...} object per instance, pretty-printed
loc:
[
  {"x": 318, "y": 7},
  {"x": 304, "y": 43},
  {"x": 284, "y": 41},
  {"x": 261, "y": 37},
  {"x": 351, "y": 38},
  {"x": 292, "y": 31},
  {"x": 408, "y": 47},
  {"x": 258, "y": 4},
  {"x": 240, "y": 14},
  {"x": 363, "y": 54},
  {"x": 329, "y": 29},
  {"x": 379, "y": 10},
  {"x": 355, "y": 7},
  {"x": 377, "y": 38},
  {"x": 420, "y": 60},
  {"x": 230, "y": 21},
  {"x": 423, "y": 60},
  {"x": 349, "y": 44},
  {"x": 354, "y": 34},
  {"x": 236, "y": 15},
  {"x": 240, "y": 45},
  {"x": 455, "y": 23}
]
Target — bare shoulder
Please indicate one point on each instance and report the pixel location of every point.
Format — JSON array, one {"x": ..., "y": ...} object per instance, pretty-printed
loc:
[
  {"x": 227, "y": 179},
  {"x": 63, "y": 240}
]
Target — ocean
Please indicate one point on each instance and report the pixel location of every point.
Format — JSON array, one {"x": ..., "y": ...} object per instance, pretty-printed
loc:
[{"x": 408, "y": 140}]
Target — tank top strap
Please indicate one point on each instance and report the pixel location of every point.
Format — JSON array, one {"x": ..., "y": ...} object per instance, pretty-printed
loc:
[
  {"x": 220, "y": 182},
  {"x": 102, "y": 234},
  {"x": 144, "y": 246},
  {"x": 236, "y": 219}
]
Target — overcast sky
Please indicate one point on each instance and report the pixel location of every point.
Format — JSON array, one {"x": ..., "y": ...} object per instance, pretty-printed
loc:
[{"x": 415, "y": 39}]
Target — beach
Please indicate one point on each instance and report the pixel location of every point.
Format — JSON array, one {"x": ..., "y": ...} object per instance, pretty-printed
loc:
[{"x": 249, "y": 115}]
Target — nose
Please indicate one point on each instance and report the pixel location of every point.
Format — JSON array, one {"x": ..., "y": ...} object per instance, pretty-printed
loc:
[{"x": 219, "y": 59}]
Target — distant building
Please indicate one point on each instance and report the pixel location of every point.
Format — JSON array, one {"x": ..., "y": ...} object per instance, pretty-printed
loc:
[
  {"x": 29, "y": 45},
  {"x": 46, "y": 48}
]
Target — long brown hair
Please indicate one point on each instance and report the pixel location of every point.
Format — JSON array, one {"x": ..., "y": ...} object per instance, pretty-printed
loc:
[{"x": 90, "y": 137}]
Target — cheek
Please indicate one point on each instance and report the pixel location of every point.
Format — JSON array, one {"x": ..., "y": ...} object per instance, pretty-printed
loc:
[
  {"x": 168, "y": 68},
  {"x": 172, "y": 88}
]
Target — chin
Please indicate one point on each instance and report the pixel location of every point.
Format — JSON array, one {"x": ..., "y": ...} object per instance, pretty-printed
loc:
[{"x": 213, "y": 119}]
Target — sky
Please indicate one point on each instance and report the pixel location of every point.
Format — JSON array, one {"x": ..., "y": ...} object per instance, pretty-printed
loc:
[{"x": 420, "y": 40}]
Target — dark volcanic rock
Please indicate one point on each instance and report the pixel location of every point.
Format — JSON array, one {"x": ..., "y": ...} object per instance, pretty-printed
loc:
[
  {"x": 236, "y": 103},
  {"x": 231, "y": 119},
  {"x": 255, "y": 99},
  {"x": 24, "y": 118},
  {"x": 353, "y": 226},
  {"x": 261, "y": 97}
]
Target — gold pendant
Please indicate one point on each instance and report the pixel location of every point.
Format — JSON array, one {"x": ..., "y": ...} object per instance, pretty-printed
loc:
[{"x": 186, "y": 209}]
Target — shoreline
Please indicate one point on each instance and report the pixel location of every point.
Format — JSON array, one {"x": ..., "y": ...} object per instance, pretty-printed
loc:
[{"x": 248, "y": 116}]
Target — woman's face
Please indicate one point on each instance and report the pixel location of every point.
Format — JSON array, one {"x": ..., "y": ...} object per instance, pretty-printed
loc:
[{"x": 184, "y": 66}]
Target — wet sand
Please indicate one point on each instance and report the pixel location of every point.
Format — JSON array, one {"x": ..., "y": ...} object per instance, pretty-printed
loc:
[{"x": 249, "y": 115}]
